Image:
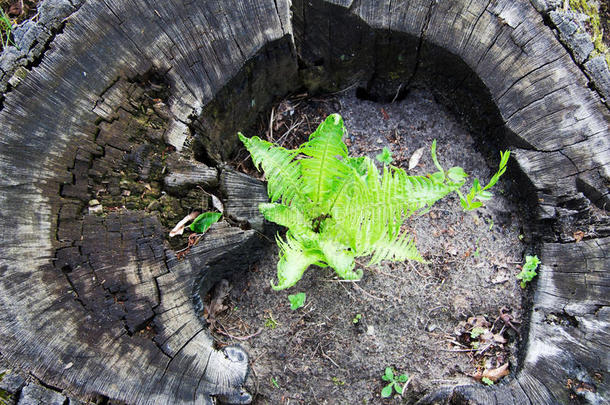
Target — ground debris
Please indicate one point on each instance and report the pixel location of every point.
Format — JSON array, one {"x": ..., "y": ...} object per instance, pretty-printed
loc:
[{"x": 487, "y": 344}]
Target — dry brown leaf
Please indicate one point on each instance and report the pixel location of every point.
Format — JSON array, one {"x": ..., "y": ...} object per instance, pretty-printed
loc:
[
  {"x": 385, "y": 114},
  {"x": 578, "y": 235},
  {"x": 415, "y": 157},
  {"x": 479, "y": 322},
  {"x": 179, "y": 228},
  {"x": 217, "y": 204},
  {"x": 496, "y": 373},
  {"x": 499, "y": 338}
]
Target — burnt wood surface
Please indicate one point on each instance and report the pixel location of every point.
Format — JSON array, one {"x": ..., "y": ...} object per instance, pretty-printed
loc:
[{"x": 98, "y": 305}]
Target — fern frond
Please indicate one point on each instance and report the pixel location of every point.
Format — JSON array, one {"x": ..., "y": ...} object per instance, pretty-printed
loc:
[
  {"x": 290, "y": 217},
  {"x": 418, "y": 192},
  {"x": 373, "y": 206},
  {"x": 340, "y": 258},
  {"x": 283, "y": 173},
  {"x": 324, "y": 168},
  {"x": 295, "y": 258},
  {"x": 397, "y": 249}
]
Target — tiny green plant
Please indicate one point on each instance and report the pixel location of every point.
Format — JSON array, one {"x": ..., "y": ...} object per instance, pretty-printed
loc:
[
  {"x": 357, "y": 318},
  {"x": 385, "y": 156},
  {"x": 5, "y": 396},
  {"x": 6, "y": 29},
  {"x": 476, "y": 332},
  {"x": 270, "y": 322},
  {"x": 487, "y": 381},
  {"x": 297, "y": 300},
  {"x": 528, "y": 272},
  {"x": 337, "y": 381},
  {"x": 394, "y": 381},
  {"x": 338, "y": 207},
  {"x": 274, "y": 382}
]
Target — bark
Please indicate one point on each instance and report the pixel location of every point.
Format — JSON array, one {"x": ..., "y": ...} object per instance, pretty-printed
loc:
[{"x": 99, "y": 306}]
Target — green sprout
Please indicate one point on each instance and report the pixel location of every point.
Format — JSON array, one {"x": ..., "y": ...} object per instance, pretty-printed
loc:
[
  {"x": 6, "y": 30},
  {"x": 357, "y": 319},
  {"x": 394, "y": 382},
  {"x": 476, "y": 332},
  {"x": 487, "y": 381},
  {"x": 296, "y": 300},
  {"x": 270, "y": 322},
  {"x": 385, "y": 156},
  {"x": 528, "y": 272}
]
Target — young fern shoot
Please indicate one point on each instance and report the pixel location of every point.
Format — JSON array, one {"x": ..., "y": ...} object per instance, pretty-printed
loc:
[{"x": 338, "y": 207}]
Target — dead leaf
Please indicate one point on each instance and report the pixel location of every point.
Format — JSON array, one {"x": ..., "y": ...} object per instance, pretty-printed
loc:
[
  {"x": 479, "y": 322},
  {"x": 216, "y": 306},
  {"x": 216, "y": 203},
  {"x": 578, "y": 235},
  {"x": 496, "y": 373},
  {"x": 179, "y": 228},
  {"x": 15, "y": 9},
  {"x": 499, "y": 338},
  {"x": 414, "y": 161},
  {"x": 385, "y": 114}
]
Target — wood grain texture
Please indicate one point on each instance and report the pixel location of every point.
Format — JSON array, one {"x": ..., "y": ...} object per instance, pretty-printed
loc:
[
  {"x": 81, "y": 298},
  {"x": 98, "y": 306}
]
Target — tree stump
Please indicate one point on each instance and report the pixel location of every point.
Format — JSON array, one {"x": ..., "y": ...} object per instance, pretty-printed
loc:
[{"x": 97, "y": 305}]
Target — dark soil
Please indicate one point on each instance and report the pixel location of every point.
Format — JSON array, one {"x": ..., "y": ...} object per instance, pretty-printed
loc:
[{"x": 409, "y": 316}]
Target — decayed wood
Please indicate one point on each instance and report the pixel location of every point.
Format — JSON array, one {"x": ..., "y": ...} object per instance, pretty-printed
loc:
[{"x": 98, "y": 306}]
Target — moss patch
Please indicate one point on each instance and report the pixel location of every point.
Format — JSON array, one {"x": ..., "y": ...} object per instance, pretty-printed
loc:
[{"x": 594, "y": 27}]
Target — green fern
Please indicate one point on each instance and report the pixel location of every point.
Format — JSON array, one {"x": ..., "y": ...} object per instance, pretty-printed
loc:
[{"x": 337, "y": 207}]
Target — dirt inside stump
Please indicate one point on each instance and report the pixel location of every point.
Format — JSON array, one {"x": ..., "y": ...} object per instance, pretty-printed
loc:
[{"x": 412, "y": 317}]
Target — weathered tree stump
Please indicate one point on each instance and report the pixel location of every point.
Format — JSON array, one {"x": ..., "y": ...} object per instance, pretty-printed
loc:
[{"x": 98, "y": 306}]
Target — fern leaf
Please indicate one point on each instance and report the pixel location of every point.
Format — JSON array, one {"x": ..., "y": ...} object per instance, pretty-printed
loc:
[
  {"x": 419, "y": 192},
  {"x": 295, "y": 258},
  {"x": 283, "y": 173},
  {"x": 324, "y": 168},
  {"x": 397, "y": 249},
  {"x": 340, "y": 258},
  {"x": 290, "y": 217}
]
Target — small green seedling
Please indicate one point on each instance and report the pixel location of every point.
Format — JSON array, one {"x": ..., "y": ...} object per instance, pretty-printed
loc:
[
  {"x": 297, "y": 300},
  {"x": 6, "y": 29},
  {"x": 4, "y": 395},
  {"x": 274, "y": 382},
  {"x": 476, "y": 332},
  {"x": 337, "y": 381},
  {"x": 203, "y": 222},
  {"x": 270, "y": 322},
  {"x": 528, "y": 272},
  {"x": 394, "y": 382},
  {"x": 357, "y": 319},
  {"x": 487, "y": 381},
  {"x": 385, "y": 156}
]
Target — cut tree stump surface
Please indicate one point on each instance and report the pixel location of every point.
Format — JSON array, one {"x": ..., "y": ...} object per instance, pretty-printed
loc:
[{"x": 99, "y": 306}]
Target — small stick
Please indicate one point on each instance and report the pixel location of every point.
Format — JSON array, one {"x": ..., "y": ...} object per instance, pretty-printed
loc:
[
  {"x": 414, "y": 268},
  {"x": 396, "y": 96},
  {"x": 288, "y": 131},
  {"x": 368, "y": 294},
  {"x": 331, "y": 360},
  {"x": 271, "y": 125},
  {"x": 348, "y": 293}
]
